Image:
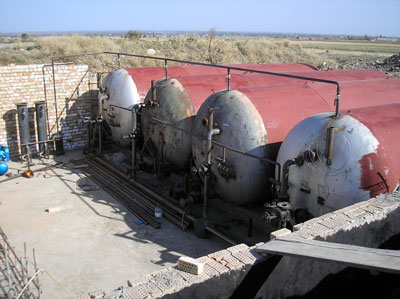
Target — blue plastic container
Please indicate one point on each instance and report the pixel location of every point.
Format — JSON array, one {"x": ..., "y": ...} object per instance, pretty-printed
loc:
[
  {"x": 7, "y": 151},
  {"x": 3, "y": 168},
  {"x": 4, "y": 153}
]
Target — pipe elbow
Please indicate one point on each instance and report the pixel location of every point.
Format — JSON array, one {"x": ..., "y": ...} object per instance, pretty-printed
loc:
[
  {"x": 103, "y": 97},
  {"x": 213, "y": 132}
]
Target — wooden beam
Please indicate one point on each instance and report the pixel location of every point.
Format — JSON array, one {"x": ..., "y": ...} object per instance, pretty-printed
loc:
[{"x": 348, "y": 255}]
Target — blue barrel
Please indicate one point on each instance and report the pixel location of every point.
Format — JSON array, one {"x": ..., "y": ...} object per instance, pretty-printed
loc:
[
  {"x": 4, "y": 153},
  {"x": 7, "y": 152},
  {"x": 3, "y": 168}
]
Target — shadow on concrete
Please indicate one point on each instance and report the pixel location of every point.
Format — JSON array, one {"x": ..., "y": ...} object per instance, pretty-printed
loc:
[{"x": 173, "y": 241}]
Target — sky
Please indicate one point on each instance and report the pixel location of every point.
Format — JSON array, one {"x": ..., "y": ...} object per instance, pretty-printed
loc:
[{"x": 347, "y": 17}]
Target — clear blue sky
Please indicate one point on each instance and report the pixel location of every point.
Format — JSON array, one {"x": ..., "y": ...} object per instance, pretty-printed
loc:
[{"x": 349, "y": 17}]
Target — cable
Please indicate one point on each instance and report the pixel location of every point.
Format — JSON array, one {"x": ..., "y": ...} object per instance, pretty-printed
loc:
[{"x": 51, "y": 276}]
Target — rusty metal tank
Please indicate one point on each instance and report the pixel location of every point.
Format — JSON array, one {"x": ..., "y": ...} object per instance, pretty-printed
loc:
[
  {"x": 128, "y": 87},
  {"x": 178, "y": 99},
  {"x": 256, "y": 120},
  {"x": 343, "y": 160}
]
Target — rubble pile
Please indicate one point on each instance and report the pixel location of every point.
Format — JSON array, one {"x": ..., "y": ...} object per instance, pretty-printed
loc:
[{"x": 390, "y": 65}]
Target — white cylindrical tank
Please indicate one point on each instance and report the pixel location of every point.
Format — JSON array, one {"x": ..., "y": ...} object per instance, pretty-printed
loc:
[
  {"x": 340, "y": 161},
  {"x": 120, "y": 90}
]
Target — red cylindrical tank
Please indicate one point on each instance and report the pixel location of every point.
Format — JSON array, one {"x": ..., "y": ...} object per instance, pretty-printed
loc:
[
  {"x": 256, "y": 120},
  {"x": 363, "y": 160},
  {"x": 142, "y": 76}
]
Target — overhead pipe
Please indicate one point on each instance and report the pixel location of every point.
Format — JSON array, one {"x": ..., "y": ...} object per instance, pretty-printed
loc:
[{"x": 337, "y": 98}]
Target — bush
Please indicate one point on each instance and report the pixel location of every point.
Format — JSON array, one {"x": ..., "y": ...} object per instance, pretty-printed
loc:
[{"x": 133, "y": 34}]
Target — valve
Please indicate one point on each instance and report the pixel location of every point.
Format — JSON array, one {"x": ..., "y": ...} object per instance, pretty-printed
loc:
[
  {"x": 277, "y": 214},
  {"x": 131, "y": 135}
]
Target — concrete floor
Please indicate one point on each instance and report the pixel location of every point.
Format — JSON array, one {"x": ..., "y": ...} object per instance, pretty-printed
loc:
[{"x": 93, "y": 243}]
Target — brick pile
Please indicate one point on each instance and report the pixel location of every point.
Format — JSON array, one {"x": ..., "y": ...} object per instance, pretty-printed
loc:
[{"x": 32, "y": 83}]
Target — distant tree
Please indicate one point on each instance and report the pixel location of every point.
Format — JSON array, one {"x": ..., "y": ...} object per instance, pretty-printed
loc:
[
  {"x": 133, "y": 34},
  {"x": 366, "y": 37},
  {"x": 24, "y": 36}
]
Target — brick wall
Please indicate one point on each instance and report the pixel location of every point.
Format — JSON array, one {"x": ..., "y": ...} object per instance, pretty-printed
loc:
[{"x": 31, "y": 83}]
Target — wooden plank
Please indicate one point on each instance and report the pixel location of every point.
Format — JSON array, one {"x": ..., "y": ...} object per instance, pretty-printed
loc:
[{"x": 348, "y": 255}]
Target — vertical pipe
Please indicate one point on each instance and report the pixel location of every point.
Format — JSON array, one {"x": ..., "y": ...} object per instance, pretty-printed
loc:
[
  {"x": 228, "y": 77},
  {"x": 166, "y": 68},
  {"x": 210, "y": 128},
  {"x": 23, "y": 124},
  {"x": 55, "y": 93},
  {"x": 330, "y": 134},
  {"x": 205, "y": 199},
  {"x": 41, "y": 125},
  {"x": 100, "y": 137},
  {"x": 153, "y": 93},
  {"x": 119, "y": 61},
  {"x": 134, "y": 124},
  {"x": 337, "y": 100}
]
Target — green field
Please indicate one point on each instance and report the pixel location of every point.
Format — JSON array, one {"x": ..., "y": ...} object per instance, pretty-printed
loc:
[{"x": 358, "y": 48}]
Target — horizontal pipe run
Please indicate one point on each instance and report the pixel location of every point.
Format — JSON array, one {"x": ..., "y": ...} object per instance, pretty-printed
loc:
[
  {"x": 216, "y": 66},
  {"x": 147, "y": 202},
  {"x": 160, "y": 199},
  {"x": 38, "y": 142},
  {"x": 126, "y": 200}
]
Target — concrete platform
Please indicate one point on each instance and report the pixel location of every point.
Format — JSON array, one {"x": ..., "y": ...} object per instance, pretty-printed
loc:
[{"x": 92, "y": 243}]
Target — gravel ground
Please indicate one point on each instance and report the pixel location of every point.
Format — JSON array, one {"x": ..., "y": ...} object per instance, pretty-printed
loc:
[{"x": 389, "y": 65}]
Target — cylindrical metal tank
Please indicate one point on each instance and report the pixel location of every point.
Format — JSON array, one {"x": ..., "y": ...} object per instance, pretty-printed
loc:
[
  {"x": 119, "y": 90},
  {"x": 126, "y": 88},
  {"x": 41, "y": 117},
  {"x": 177, "y": 102},
  {"x": 23, "y": 125},
  {"x": 256, "y": 120},
  {"x": 355, "y": 157}
]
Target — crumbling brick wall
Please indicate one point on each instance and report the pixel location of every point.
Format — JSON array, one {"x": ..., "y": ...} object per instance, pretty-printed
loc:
[{"x": 32, "y": 83}]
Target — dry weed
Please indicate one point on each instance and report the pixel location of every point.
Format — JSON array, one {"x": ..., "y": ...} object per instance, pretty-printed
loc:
[{"x": 193, "y": 48}]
